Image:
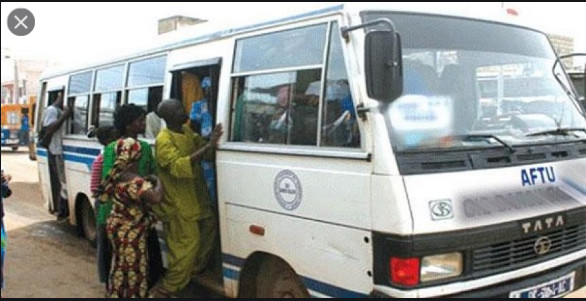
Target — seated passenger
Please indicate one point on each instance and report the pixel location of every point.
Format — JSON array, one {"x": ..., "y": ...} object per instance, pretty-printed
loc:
[{"x": 281, "y": 121}]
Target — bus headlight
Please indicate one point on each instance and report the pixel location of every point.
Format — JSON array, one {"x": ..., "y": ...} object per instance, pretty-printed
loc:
[{"x": 442, "y": 266}]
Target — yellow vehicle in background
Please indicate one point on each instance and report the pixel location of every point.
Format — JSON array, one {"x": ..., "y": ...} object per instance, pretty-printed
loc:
[{"x": 16, "y": 124}]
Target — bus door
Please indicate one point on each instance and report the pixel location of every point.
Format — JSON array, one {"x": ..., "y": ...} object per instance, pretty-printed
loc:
[
  {"x": 195, "y": 84},
  {"x": 46, "y": 100}
]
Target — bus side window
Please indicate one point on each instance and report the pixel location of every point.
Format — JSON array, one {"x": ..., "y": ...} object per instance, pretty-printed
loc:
[
  {"x": 148, "y": 99},
  {"x": 150, "y": 73},
  {"x": 340, "y": 126},
  {"x": 276, "y": 108},
  {"x": 78, "y": 124},
  {"x": 104, "y": 106},
  {"x": 109, "y": 83}
]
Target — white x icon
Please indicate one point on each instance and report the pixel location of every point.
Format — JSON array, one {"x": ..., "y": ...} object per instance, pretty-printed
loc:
[{"x": 21, "y": 22}]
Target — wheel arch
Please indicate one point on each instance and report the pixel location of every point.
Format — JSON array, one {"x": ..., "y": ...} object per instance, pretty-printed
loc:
[{"x": 248, "y": 277}]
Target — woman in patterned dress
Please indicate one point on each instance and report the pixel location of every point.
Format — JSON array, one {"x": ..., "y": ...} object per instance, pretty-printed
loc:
[{"x": 130, "y": 220}]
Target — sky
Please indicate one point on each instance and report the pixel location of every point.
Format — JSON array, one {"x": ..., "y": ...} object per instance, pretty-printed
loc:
[{"x": 78, "y": 33}]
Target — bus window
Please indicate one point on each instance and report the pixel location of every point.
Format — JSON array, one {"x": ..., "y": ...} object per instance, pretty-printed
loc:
[
  {"x": 147, "y": 72},
  {"x": 78, "y": 124},
  {"x": 340, "y": 127},
  {"x": 278, "y": 107},
  {"x": 53, "y": 95},
  {"x": 108, "y": 87},
  {"x": 145, "y": 84},
  {"x": 275, "y": 108},
  {"x": 104, "y": 106},
  {"x": 147, "y": 98},
  {"x": 79, "y": 88}
]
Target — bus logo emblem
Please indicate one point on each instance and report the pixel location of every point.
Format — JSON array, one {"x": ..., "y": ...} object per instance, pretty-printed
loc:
[
  {"x": 441, "y": 210},
  {"x": 288, "y": 191},
  {"x": 542, "y": 245}
]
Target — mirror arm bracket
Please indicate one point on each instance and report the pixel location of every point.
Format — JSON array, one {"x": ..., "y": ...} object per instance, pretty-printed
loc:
[
  {"x": 345, "y": 30},
  {"x": 361, "y": 111}
]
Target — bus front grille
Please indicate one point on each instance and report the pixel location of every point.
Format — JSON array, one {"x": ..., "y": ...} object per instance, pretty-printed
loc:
[{"x": 519, "y": 253}]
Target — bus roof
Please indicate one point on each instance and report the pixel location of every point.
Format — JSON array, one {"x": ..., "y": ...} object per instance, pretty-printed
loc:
[{"x": 181, "y": 40}]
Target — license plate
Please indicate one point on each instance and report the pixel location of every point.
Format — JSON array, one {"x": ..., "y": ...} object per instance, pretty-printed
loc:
[{"x": 553, "y": 289}]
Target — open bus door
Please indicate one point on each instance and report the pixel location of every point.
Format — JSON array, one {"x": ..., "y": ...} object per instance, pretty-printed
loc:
[
  {"x": 195, "y": 84},
  {"x": 48, "y": 97}
]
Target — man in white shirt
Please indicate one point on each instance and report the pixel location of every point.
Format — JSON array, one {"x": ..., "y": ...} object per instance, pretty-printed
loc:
[{"x": 53, "y": 120}]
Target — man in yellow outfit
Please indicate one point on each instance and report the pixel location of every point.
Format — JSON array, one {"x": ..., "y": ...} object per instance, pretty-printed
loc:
[{"x": 186, "y": 212}]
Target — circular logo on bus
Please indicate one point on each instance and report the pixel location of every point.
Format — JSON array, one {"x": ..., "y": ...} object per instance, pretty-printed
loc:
[
  {"x": 542, "y": 246},
  {"x": 288, "y": 190}
]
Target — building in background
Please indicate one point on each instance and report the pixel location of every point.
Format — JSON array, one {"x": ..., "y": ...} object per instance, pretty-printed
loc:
[
  {"x": 563, "y": 45},
  {"x": 20, "y": 77},
  {"x": 176, "y": 22}
]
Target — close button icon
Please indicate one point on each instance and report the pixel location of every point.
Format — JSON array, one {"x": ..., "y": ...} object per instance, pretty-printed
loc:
[{"x": 21, "y": 22}]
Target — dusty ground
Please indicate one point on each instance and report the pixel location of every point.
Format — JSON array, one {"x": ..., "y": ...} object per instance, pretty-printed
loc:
[
  {"x": 47, "y": 259},
  {"x": 44, "y": 258}
]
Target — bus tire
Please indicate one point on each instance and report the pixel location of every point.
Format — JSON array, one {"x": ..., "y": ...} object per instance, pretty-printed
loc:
[
  {"x": 276, "y": 279},
  {"x": 15, "y": 148},
  {"x": 88, "y": 222}
]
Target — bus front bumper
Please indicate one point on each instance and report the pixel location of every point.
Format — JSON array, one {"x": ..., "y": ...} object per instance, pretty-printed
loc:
[{"x": 500, "y": 290}]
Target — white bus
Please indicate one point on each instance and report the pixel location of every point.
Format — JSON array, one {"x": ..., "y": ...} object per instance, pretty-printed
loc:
[{"x": 357, "y": 159}]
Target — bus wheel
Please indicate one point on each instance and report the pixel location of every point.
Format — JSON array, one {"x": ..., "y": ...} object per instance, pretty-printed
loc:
[
  {"x": 88, "y": 222},
  {"x": 15, "y": 148},
  {"x": 277, "y": 280}
]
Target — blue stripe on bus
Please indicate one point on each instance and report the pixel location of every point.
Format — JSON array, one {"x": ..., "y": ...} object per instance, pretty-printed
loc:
[
  {"x": 82, "y": 150},
  {"x": 233, "y": 260},
  {"x": 71, "y": 158},
  {"x": 79, "y": 159},
  {"x": 231, "y": 274},
  {"x": 330, "y": 290},
  {"x": 42, "y": 152},
  {"x": 312, "y": 284},
  {"x": 76, "y": 149}
]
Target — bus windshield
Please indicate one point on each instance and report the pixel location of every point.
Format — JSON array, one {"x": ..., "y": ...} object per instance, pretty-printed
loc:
[{"x": 466, "y": 78}]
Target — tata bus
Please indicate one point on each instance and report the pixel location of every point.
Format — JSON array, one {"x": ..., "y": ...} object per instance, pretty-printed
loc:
[{"x": 358, "y": 159}]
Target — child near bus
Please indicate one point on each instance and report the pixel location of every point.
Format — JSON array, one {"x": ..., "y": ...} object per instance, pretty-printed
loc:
[{"x": 105, "y": 135}]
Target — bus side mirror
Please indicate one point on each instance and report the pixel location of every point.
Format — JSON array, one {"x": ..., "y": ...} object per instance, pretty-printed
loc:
[{"x": 383, "y": 64}]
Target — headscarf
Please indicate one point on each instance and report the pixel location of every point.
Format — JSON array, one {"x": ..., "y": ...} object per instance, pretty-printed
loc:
[{"x": 128, "y": 150}]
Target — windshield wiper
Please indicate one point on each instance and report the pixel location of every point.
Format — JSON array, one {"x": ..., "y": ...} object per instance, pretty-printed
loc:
[
  {"x": 558, "y": 132},
  {"x": 486, "y": 137}
]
